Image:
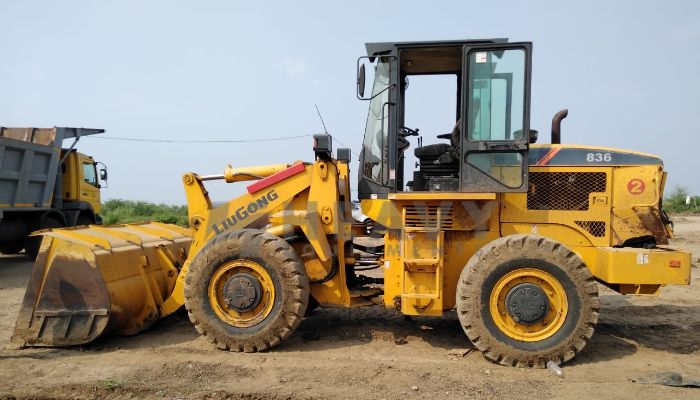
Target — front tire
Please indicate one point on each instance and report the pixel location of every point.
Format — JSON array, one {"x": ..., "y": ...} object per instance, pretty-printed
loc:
[
  {"x": 12, "y": 247},
  {"x": 524, "y": 300},
  {"x": 246, "y": 291}
]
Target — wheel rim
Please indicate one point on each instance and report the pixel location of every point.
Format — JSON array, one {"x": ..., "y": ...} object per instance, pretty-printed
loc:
[
  {"x": 241, "y": 293},
  {"x": 523, "y": 286}
]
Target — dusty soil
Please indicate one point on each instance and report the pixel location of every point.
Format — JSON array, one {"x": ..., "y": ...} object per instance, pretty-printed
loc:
[{"x": 369, "y": 353}]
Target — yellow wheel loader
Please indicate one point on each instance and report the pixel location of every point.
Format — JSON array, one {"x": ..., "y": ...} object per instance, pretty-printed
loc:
[{"x": 514, "y": 235}]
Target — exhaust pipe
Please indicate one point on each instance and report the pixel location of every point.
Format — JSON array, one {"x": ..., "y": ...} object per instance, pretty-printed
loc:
[{"x": 556, "y": 125}]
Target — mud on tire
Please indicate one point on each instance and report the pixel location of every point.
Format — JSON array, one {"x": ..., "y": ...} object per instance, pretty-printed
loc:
[
  {"x": 286, "y": 272},
  {"x": 488, "y": 267}
]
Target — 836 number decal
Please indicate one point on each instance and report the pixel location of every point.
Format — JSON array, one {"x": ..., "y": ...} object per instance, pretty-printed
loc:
[{"x": 598, "y": 157}]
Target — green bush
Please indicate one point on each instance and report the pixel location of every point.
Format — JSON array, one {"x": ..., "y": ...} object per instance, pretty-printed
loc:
[
  {"x": 675, "y": 201},
  {"x": 118, "y": 211}
]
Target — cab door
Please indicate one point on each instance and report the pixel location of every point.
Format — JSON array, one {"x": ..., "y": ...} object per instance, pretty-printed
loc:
[
  {"x": 88, "y": 186},
  {"x": 495, "y": 121}
]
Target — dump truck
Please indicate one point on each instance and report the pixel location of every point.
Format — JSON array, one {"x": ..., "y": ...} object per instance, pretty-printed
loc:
[
  {"x": 45, "y": 186},
  {"x": 513, "y": 235}
]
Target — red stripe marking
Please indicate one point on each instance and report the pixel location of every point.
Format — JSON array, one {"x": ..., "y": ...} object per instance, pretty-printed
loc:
[
  {"x": 548, "y": 157},
  {"x": 275, "y": 178}
]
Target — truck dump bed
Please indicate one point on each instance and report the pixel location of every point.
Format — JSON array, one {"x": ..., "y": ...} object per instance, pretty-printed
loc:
[{"x": 29, "y": 160}]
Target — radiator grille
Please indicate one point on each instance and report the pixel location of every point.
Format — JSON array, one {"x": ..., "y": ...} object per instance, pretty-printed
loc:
[
  {"x": 428, "y": 216},
  {"x": 595, "y": 228},
  {"x": 563, "y": 190}
]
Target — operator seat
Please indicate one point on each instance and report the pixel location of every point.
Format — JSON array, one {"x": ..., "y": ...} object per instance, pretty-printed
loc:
[
  {"x": 441, "y": 153},
  {"x": 438, "y": 164},
  {"x": 432, "y": 151}
]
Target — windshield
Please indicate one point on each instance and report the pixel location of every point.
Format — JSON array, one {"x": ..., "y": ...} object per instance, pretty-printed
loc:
[{"x": 374, "y": 164}]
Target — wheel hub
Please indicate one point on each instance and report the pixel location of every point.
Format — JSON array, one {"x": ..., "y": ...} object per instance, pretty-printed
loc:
[
  {"x": 243, "y": 292},
  {"x": 527, "y": 303}
]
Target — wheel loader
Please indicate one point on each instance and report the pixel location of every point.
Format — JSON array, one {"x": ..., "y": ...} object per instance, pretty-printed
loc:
[{"x": 513, "y": 235}]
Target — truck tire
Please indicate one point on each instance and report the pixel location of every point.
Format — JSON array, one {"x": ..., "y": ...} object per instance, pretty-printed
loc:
[
  {"x": 524, "y": 300},
  {"x": 84, "y": 220},
  {"x": 33, "y": 243},
  {"x": 246, "y": 290},
  {"x": 12, "y": 247}
]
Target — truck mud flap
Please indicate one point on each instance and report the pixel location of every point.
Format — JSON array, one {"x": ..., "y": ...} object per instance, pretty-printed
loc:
[{"x": 94, "y": 280}]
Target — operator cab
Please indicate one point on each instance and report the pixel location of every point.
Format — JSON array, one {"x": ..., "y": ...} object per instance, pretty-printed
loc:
[{"x": 478, "y": 142}]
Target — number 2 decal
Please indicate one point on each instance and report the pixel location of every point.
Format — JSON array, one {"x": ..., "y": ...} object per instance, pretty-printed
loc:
[{"x": 636, "y": 186}]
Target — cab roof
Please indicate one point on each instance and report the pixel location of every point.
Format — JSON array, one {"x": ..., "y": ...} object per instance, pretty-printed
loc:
[{"x": 377, "y": 48}]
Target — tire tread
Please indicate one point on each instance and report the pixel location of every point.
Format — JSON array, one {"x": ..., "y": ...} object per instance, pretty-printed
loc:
[
  {"x": 532, "y": 247},
  {"x": 244, "y": 243}
]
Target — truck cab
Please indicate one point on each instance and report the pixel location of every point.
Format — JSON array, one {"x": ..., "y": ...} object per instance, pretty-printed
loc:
[{"x": 81, "y": 183}]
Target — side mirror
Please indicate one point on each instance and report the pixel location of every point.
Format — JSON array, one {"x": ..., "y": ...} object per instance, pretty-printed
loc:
[
  {"x": 103, "y": 174},
  {"x": 361, "y": 81},
  {"x": 533, "y": 136},
  {"x": 365, "y": 66}
]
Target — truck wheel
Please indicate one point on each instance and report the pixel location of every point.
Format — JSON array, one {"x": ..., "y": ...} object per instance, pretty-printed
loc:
[
  {"x": 246, "y": 291},
  {"x": 84, "y": 220},
  {"x": 34, "y": 243},
  {"x": 524, "y": 300},
  {"x": 12, "y": 247}
]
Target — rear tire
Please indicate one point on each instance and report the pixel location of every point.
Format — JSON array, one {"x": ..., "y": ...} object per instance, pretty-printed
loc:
[
  {"x": 497, "y": 291},
  {"x": 84, "y": 220},
  {"x": 246, "y": 291},
  {"x": 12, "y": 247},
  {"x": 33, "y": 243}
]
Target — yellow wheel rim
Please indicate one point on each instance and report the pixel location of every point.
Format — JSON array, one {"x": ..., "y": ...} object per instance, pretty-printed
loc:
[
  {"x": 220, "y": 293},
  {"x": 554, "y": 317}
]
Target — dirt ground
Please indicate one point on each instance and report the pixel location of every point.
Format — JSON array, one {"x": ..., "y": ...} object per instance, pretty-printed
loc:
[{"x": 369, "y": 353}]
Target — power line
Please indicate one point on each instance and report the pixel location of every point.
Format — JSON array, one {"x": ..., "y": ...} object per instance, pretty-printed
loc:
[
  {"x": 353, "y": 153},
  {"x": 341, "y": 143},
  {"x": 202, "y": 140},
  {"x": 195, "y": 141}
]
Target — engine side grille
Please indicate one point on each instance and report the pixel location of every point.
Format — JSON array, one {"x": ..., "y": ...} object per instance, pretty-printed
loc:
[
  {"x": 563, "y": 190},
  {"x": 429, "y": 216},
  {"x": 595, "y": 228}
]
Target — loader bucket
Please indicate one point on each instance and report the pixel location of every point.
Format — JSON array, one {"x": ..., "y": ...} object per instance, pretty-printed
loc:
[{"x": 93, "y": 280}]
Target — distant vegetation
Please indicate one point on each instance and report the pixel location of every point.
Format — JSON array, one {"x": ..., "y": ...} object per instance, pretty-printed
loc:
[
  {"x": 675, "y": 201},
  {"x": 126, "y": 211}
]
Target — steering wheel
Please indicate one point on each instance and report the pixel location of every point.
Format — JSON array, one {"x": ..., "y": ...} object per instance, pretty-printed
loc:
[{"x": 406, "y": 131}]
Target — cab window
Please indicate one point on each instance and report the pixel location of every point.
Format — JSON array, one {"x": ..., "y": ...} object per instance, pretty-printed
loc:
[
  {"x": 498, "y": 94},
  {"x": 89, "y": 173},
  {"x": 375, "y": 142}
]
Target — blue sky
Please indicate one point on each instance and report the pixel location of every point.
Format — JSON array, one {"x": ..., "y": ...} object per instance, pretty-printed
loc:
[{"x": 627, "y": 71}]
